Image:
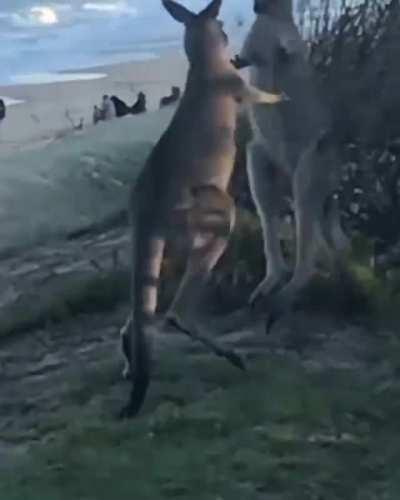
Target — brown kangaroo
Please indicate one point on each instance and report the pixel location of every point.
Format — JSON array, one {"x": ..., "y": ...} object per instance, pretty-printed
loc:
[
  {"x": 292, "y": 152},
  {"x": 183, "y": 187}
]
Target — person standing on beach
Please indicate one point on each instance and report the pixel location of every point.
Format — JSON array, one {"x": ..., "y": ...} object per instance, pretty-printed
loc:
[
  {"x": 96, "y": 114},
  {"x": 107, "y": 109},
  {"x": 2, "y": 112}
]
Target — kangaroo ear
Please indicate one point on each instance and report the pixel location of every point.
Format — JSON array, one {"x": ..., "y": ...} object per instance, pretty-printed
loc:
[
  {"x": 212, "y": 10},
  {"x": 178, "y": 12}
]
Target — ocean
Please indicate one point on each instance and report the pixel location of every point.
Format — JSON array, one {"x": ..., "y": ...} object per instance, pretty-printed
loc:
[{"x": 39, "y": 40}]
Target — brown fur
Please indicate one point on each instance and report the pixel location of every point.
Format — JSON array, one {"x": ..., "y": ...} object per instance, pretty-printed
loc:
[{"x": 188, "y": 172}]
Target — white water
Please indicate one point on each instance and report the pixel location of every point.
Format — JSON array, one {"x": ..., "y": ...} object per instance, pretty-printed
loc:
[
  {"x": 9, "y": 101},
  {"x": 40, "y": 78}
]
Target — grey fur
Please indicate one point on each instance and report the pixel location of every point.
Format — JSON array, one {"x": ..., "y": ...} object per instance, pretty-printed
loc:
[{"x": 292, "y": 151}]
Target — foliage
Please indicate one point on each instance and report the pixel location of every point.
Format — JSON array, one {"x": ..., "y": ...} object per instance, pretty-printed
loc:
[{"x": 70, "y": 297}]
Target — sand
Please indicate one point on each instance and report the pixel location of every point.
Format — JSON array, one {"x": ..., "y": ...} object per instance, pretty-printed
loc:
[{"x": 41, "y": 117}]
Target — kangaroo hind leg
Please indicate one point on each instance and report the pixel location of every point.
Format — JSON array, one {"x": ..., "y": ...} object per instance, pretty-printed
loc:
[
  {"x": 334, "y": 232},
  {"x": 267, "y": 189},
  {"x": 211, "y": 221},
  {"x": 311, "y": 189}
]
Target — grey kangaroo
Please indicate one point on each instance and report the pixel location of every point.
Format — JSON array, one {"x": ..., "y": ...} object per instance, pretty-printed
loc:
[
  {"x": 183, "y": 185},
  {"x": 292, "y": 152}
]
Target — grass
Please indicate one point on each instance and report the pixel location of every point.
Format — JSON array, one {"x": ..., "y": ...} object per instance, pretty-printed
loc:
[
  {"x": 271, "y": 432},
  {"x": 351, "y": 291},
  {"x": 83, "y": 179},
  {"x": 70, "y": 297},
  {"x": 354, "y": 291}
]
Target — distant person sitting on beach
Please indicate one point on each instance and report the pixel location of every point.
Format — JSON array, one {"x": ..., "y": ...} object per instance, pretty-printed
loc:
[
  {"x": 107, "y": 108},
  {"x": 140, "y": 104},
  {"x": 170, "y": 99},
  {"x": 96, "y": 114},
  {"x": 122, "y": 109}
]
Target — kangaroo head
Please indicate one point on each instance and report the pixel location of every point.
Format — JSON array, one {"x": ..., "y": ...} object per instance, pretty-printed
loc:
[
  {"x": 273, "y": 7},
  {"x": 204, "y": 34}
]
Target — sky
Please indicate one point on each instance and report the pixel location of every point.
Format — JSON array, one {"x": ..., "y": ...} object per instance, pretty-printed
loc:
[{"x": 39, "y": 36}]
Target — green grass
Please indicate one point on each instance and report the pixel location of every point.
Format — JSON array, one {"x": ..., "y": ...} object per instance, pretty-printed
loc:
[
  {"x": 70, "y": 297},
  {"x": 352, "y": 292},
  {"x": 83, "y": 179},
  {"x": 271, "y": 432}
]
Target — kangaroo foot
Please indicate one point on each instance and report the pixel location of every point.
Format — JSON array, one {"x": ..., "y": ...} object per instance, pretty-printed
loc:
[
  {"x": 279, "y": 305},
  {"x": 268, "y": 287}
]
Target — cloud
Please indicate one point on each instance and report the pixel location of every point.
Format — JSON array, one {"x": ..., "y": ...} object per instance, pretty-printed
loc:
[
  {"x": 36, "y": 16},
  {"x": 116, "y": 8},
  {"x": 44, "y": 14},
  {"x": 48, "y": 13}
]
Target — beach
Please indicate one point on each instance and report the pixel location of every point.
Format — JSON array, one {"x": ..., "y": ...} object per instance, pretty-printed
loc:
[{"x": 37, "y": 114}]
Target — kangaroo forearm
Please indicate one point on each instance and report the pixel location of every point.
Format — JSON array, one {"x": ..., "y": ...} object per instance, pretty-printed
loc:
[
  {"x": 254, "y": 95},
  {"x": 235, "y": 86}
]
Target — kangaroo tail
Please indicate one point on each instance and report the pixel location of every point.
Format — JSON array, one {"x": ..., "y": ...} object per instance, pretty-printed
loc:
[
  {"x": 140, "y": 371},
  {"x": 139, "y": 347}
]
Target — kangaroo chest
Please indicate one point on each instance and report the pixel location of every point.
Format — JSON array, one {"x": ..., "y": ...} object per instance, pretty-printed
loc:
[{"x": 289, "y": 127}]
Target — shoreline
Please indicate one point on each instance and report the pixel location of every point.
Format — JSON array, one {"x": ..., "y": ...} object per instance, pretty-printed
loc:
[
  {"x": 38, "y": 112},
  {"x": 147, "y": 56}
]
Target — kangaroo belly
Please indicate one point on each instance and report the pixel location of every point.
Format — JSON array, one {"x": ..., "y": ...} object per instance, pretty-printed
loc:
[
  {"x": 290, "y": 127},
  {"x": 216, "y": 141},
  {"x": 207, "y": 157},
  {"x": 198, "y": 149}
]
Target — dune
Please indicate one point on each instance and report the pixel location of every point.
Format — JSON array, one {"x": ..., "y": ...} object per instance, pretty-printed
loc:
[{"x": 74, "y": 182}]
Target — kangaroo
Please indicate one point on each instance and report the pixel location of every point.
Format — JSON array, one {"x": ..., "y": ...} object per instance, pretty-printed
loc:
[
  {"x": 292, "y": 152},
  {"x": 183, "y": 185}
]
